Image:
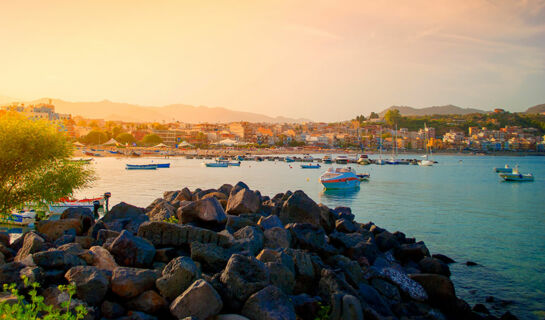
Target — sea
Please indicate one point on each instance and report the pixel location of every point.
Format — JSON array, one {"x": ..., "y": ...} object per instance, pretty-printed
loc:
[{"x": 459, "y": 207}]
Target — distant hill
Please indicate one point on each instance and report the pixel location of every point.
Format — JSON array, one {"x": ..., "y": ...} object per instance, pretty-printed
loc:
[
  {"x": 448, "y": 109},
  {"x": 540, "y": 108},
  {"x": 6, "y": 100},
  {"x": 109, "y": 110}
]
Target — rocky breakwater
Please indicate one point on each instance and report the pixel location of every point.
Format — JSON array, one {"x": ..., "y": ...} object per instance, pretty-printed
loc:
[{"x": 235, "y": 254}]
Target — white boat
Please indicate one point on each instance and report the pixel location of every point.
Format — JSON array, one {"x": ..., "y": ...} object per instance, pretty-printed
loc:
[
  {"x": 363, "y": 159},
  {"x": 515, "y": 175},
  {"x": 308, "y": 158},
  {"x": 340, "y": 178},
  {"x": 216, "y": 164},
  {"x": 22, "y": 218},
  {"x": 505, "y": 169},
  {"x": 327, "y": 159},
  {"x": 341, "y": 159},
  {"x": 426, "y": 162},
  {"x": 65, "y": 203}
]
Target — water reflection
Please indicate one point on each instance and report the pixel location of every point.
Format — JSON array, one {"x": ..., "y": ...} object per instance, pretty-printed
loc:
[{"x": 346, "y": 196}]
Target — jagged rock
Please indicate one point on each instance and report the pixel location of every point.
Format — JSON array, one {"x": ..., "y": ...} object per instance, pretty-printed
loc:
[
  {"x": 200, "y": 300},
  {"x": 9, "y": 273},
  {"x": 305, "y": 274},
  {"x": 137, "y": 315},
  {"x": 237, "y": 187},
  {"x": 344, "y": 213},
  {"x": 250, "y": 239},
  {"x": 443, "y": 258},
  {"x": 277, "y": 256},
  {"x": 414, "y": 251},
  {"x": 269, "y": 222},
  {"x": 178, "y": 275},
  {"x": 387, "y": 289},
  {"x": 300, "y": 208},
  {"x": 370, "y": 296},
  {"x": 281, "y": 276},
  {"x": 210, "y": 256},
  {"x": 67, "y": 238},
  {"x": 307, "y": 236},
  {"x": 131, "y": 282},
  {"x": 133, "y": 251},
  {"x": 433, "y": 265},
  {"x": 103, "y": 259},
  {"x": 161, "y": 210},
  {"x": 439, "y": 288},
  {"x": 169, "y": 234},
  {"x": 33, "y": 274},
  {"x": 85, "y": 215},
  {"x": 148, "y": 301},
  {"x": 331, "y": 283},
  {"x": 327, "y": 218},
  {"x": 93, "y": 230},
  {"x": 111, "y": 310},
  {"x": 54, "y": 229},
  {"x": 123, "y": 211},
  {"x": 85, "y": 241},
  {"x": 353, "y": 272},
  {"x": 206, "y": 213},
  {"x": 243, "y": 201},
  {"x": 244, "y": 276},
  {"x": 56, "y": 259},
  {"x": 236, "y": 223},
  {"x": 405, "y": 283},
  {"x": 32, "y": 243},
  {"x": 4, "y": 238},
  {"x": 277, "y": 237},
  {"x": 345, "y": 307},
  {"x": 306, "y": 307},
  {"x": 169, "y": 196},
  {"x": 216, "y": 194},
  {"x": 386, "y": 241},
  {"x": 104, "y": 234},
  {"x": 346, "y": 226},
  {"x": 269, "y": 303},
  {"x": 225, "y": 189},
  {"x": 91, "y": 283}
]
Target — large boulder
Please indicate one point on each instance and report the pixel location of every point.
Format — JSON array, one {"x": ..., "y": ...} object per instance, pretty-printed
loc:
[
  {"x": 184, "y": 195},
  {"x": 132, "y": 251},
  {"x": 411, "y": 287},
  {"x": 91, "y": 283},
  {"x": 244, "y": 201},
  {"x": 300, "y": 208},
  {"x": 271, "y": 221},
  {"x": 123, "y": 211},
  {"x": 85, "y": 215},
  {"x": 307, "y": 236},
  {"x": 178, "y": 275},
  {"x": 249, "y": 239},
  {"x": 130, "y": 282},
  {"x": 433, "y": 265},
  {"x": 103, "y": 259},
  {"x": 276, "y": 237},
  {"x": 243, "y": 276},
  {"x": 32, "y": 243},
  {"x": 148, "y": 301},
  {"x": 160, "y": 210},
  {"x": 235, "y": 223},
  {"x": 164, "y": 234},
  {"x": 206, "y": 213},
  {"x": 54, "y": 229},
  {"x": 439, "y": 288},
  {"x": 386, "y": 241},
  {"x": 281, "y": 276},
  {"x": 412, "y": 252},
  {"x": 57, "y": 259},
  {"x": 269, "y": 303},
  {"x": 371, "y": 297},
  {"x": 212, "y": 258},
  {"x": 200, "y": 301},
  {"x": 305, "y": 273}
]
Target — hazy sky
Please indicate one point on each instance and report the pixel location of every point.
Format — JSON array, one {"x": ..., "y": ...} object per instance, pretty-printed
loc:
[{"x": 324, "y": 60}]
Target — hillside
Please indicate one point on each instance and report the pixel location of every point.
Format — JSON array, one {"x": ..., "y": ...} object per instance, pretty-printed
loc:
[
  {"x": 540, "y": 108},
  {"x": 448, "y": 109}
]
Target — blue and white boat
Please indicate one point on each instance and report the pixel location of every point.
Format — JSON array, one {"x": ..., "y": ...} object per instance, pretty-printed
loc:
[
  {"x": 141, "y": 167},
  {"x": 219, "y": 164},
  {"x": 233, "y": 164},
  {"x": 163, "y": 165},
  {"x": 21, "y": 218},
  {"x": 505, "y": 169},
  {"x": 515, "y": 175},
  {"x": 289, "y": 159},
  {"x": 327, "y": 159},
  {"x": 310, "y": 166},
  {"x": 340, "y": 178}
]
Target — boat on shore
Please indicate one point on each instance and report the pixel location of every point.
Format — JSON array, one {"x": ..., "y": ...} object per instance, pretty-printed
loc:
[
  {"x": 342, "y": 159},
  {"x": 340, "y": 178},
  {"x": 92, "y": 154},
  {"x": 505, "y": 169},
  {"x": 220, "y": 164},
  {"x": 310, "y": 166},
  {"x": 141, "y": 167},
  {"x": 21, "y": 218},
  {"x": 515, "y": 175},
  {"x": 163, "y": 165}
]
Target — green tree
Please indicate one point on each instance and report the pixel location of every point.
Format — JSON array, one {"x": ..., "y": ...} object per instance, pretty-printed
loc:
[
  {"x": 95, "y": 137},
  {"x": 152, "y": 139},
  {"x": 33, "y": 163},
  {"x": 392, "y": 116},
  {"x": 125, "y": 138},
  {"x": 373, "y": 115}
]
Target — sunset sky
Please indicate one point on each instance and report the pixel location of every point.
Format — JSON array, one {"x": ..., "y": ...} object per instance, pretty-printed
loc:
[{"x": 323, "y": 60}]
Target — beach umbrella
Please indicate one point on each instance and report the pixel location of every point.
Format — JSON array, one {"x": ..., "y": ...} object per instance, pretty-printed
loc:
[
  {"x": 185, "y": 144},
  {"x": 111, "y": 142},
  {"x": 78, "y": 144},
  {"x": 161, "y": 145}
]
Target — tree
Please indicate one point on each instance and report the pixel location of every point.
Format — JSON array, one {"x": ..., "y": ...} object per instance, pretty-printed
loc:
[
  {"x": 360, "y": 118},
  {"x": 373, "y": 115},
  {"x": 34, "y": 164},
  {"x": 152, "y": 139},
  {"x": 125, "y": 138},
  {"x": 95, "y": 137},
  {"x": 392, "y": 116}
]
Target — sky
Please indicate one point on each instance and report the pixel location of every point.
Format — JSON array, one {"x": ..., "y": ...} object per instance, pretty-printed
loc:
[{"x": 317, "y": 59}]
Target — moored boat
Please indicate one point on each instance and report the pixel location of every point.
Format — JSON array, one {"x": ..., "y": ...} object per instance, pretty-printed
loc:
[
  {"x": 505, "y": 169},
  {"x": 21, "y": 218},
  {"x": 289, "y": 159},
  {"x": 66, "y": 203},
  {"x": 233, "y": 164},
  {"x": 515, "y": 175},
  {"x": 140, "y": 166},
  {"x": 308, "y": 158},
  {"x": 363, "y": 159},
  {"x": 327, "y": 159},
  {"x": 163, "y": 165},
  {"x": 310, "y": 166},
  {"x": 216, "y": 164},
  {"x": 340, "y": 178},
  {"x": 342, "y": 159},
  {"x": 364, "y": 176}
]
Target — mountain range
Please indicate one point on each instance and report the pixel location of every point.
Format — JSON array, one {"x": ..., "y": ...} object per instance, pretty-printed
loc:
[{"x": 448, "y": 109}]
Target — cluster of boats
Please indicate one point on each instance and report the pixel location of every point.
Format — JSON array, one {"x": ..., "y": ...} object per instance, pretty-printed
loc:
[{"x": 512, "y": 174}]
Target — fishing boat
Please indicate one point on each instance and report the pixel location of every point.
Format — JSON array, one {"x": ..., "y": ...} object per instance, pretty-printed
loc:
[
  {"x": 221, "y": 164},
  {"x": 380, "y": 161},
  {"x": 363, "y": 160},
  {"x": 289, "y": 159},
  {"x": 308, "y": 158},
  {"x": 140, "y": 166},
  {"x": 341, "y": 159},
  {"x": 233, "y": 164},
  {"x": 113, "y": 151},
  {"x": 364, "y": 176},
  {"x": 310, "y": 166},
  {"x": 340, "y": 178},
  {"x": 163, "y": 165},
  {"x": 92, "y": 154},
  {"x": 66, "y": 203},
  {"x": 515, "y": 175},
  {"x": 505, "y": 169},
  {"x": 327, "y": 159},
  {"x": 20, "y": 218}
]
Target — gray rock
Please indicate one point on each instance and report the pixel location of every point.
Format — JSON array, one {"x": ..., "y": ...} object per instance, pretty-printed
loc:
[
  {"x": 300, "y": 208},
  {"x": 130, "y": 282},
  {"x": 386, "y": 241},
  {"x": 307, "y": 236},
  {"x": 243, "y": 276},
  {"x": 160, "y": 210},
  {"x": 111, "y": 310},
  {"x": 276, "y": 256},
  {"x": 269, "y": 303},
  {"x": 103, "y": 235},
  {"x": 32, "y": 243},
  {"x": 327, "y": 218},
  {"x": 178, "y": 275},
  {"x": 206, "y": 213},
  {"x": 344, "y": 213},
  {"x": 277, "y": 237},
  {"x": 123, "y": 211},
  {"x": 250, "y": 239},
  {"x": 386, "y": 289},
  {"x": 235, "y": 223},
  {"x": 200, "y": 300},
  {"x": 269, "y": 222},
  {"x": 413, "y": 251},
  {"x": 370, "y": 296},
  {"x": 346, "y": 226},
  {"x": 132, "y": 251},
  {"x": 169, "y": 234},
  {"x": 405, "y": 284},
  {"x": 439, "y": 288},
  {"x": 9, "y": 273},
  {"x": 305, "y": 274},
  {"x": 243, "y": 201},
  {"x": 91, "y": 283},
  {"x": 281, "y": 276},
  {"x": 211, "y": 257}
]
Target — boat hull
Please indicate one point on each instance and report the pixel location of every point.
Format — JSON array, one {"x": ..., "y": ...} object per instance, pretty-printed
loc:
[
  {"x": 341, "y": 184},
  {"x": 163, "y": 165},
  {"x": 516, "y": 177},
  {"x": 141, "y": 167},
  {"x": 425, "y": 163},
  {"x": 216, "y": 165},
  {"x": 309, "y": 166}
]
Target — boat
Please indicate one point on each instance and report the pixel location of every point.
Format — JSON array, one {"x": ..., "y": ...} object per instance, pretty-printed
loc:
[
  {"x": 341, "y": 159},
  {"x": 310, "y": 166},
  {"x": 380, "y": 161},
  {"x": 163, "y": 165},
  {"x": 66, "y": 203},
  {"x": 21, "y": 218},
  {"x": 327, "y": 159},
  {"x": 393, "y": 160},
  {"x": 515, "y": 175},
  {"x": 363, "y": 160},
  {"x": 113, "y": 151},
  {"x": 233, "y": 164},
  {"x": 308, "y": 158},
  {"x": 140, "y": 166},
  {"x": 364, "y": 176},
  {"x": 505, "y": 169},
  {"x": 221, "y": 164},
  {"x": 289, "y": 159},
  {"x": 340, "y": 178},
  {"x": 92, "y": 154},
  {"x": 426, "y": 162}
]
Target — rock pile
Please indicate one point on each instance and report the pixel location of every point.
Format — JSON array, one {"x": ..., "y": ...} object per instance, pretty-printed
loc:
[{"x": 235, "y": 255}]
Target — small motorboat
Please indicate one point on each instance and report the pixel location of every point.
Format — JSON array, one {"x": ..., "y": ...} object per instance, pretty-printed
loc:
[
  {"x": 21, "y": 218},
  {"x": 341, "y": 159},
  {"x": 140, "y": 166},
  {"x": 233, "y": 164},
  {"x": 310, "y": 166},
  {"x": 92, "y": 154},
  {"x": 364, "y": 176},
  {"x": 515, "y": 175},
  {"x": 505, "y": 169},
  {"x": 363, "y": 160},
  {"x": 216, "y": 164},
  {"x": 65, "y": 203},
  {"x": 308, "y": 158},
  {"x": 290, "y": 159},
  {"x": 425, "y": 163},
  {"x": 340, "y": 178},
  {"x": 327, "y": 159},
  {"x": 163, "y": 165}
]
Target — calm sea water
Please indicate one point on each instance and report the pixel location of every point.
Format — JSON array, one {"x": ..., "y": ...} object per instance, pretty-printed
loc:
[{"x": 459, "y": 207}]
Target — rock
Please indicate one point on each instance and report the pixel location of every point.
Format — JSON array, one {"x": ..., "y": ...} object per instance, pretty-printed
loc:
[
  {"x": 200, "y": 300},
  {"x": 85, "y": 215},
  {"x": 344, "y": 213},
  {"x": 433, "y": 265},
  {"x": 111, "y": 310},
  {"x": 346, "y": 226},
  {"x": 212, "y": 257},
  {"x": 352, "y": 270},
  {"x": 371, "y": 297},
  {"x": 54, "y": 229},
  {"x": 306, "y": 307},
  {"x": 169, "y": 234},
  {"x": 508, "y": 316},
  {"x": 216, "y": 194},
  {"x": 268, "y": 255},
  {"x": 305, "y": 274},
  {"x": 243, "y": 276},
  {"x": 130, "y": 282},
  {"x": 67, "y": 238},
  {"x": 443, "y": 258},
  {"x": 103, "y": 259},
  {"x": 133, "y": 251},
  {"x": 33, "y": 274},
  {"x": 405, "y": 283},
  {"x": 138, "y": 315},
  {"x": 243, "y": 201},
  {"x": 415, "y": 252},
  {"x": 471, "y": 263},
  {"x": 178, "y": 275},
  {"x": 225, "y": 189},
  {"x": 235, "y": 223},
  {"x": 148, "y": 301},
  {"x": 281, "y": 276},
  {"x": 269, "y": 222},
  {"x": 104, "y": 234},
  {"x": 481, "y": 308},
  {"x": 32, "y": 243},
  {"x": 277, "y": 237},
  {"x": 160, "y": 210},
  {"x": 184, "y": 195},
  {"x": 350, "y": 308},
  {"x": 53, "y": 259},
  {"x": 386, "y": 289},
  {"x": 331, "y": 283},
  {"x": 206, "y": 213},
  {"x": 4, "y": 238},
  {"x": 439, "y": 288},
  {"x": 123, "y": 211},
  {"x": 269, "y": 303},
  {"x": 307, "y": 236},
  {"x": 91, "y": 283},
  {"x": 327, "y": 218},
  {"x": 85, "y": 241},
  {"x": 300, "y": 208},
  {"x": 9, "y": 273},
  {"x": 250, "y": 239},
  {"x": 386, "y": 241},
  {"x": 237, "y": 187}
]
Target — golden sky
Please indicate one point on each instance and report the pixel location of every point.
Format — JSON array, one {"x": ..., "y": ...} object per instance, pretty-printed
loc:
[{"x": 323, "y": 60}]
